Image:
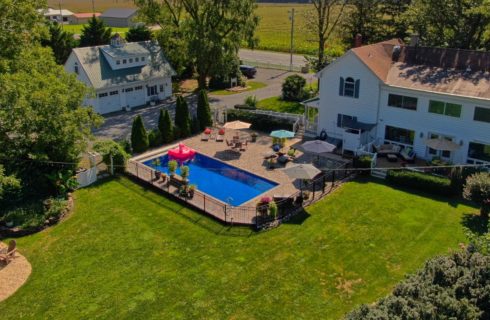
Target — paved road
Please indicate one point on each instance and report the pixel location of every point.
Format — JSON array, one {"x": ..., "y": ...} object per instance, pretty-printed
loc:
[
  {"x": 118, "y": 126},
  {"x": 270, "y": 57}
]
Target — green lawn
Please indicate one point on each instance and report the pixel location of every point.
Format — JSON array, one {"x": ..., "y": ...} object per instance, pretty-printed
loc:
[
  {"x": 77, "y": 29},
  {"x": 128, "y": 253},
  {"x": 253, "y": 85},
  {"x": 279, "y": 105}
]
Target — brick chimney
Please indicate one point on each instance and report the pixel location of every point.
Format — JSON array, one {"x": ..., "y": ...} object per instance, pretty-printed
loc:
[{"x": 358, "y": 41}]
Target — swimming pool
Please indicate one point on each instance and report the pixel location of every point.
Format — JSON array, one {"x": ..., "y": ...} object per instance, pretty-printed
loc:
[{"x": 219, "y": 180}]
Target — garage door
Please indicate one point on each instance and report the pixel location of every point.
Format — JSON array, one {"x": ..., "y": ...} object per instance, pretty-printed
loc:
[
  {"x": 109, "y": 102},
  {"x": 135, "y": 96}
]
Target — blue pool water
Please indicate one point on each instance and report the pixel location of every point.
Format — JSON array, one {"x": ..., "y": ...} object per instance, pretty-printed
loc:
[{"x": 220, "y": 180}]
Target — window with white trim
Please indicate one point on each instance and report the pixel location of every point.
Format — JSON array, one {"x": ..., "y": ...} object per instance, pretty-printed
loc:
[{"x": 349, "y": 87}]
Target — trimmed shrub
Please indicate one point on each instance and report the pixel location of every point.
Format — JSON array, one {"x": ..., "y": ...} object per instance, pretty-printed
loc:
[
  {"x": 203, "y": 111},
  {"x": 363, "y": 162},
  {"x": 182, "y": 118},
  {"x": 110, "y": 148},
  {"x": 258, "y": 121},
  {"x": 244, "y": 107},
  {"x": 421, "y": 182},
  {"x": 165, "y": 126},
  {"x": 293, "y": 88},
  {"x": 477, "y": 189},
  {"x": 155, "y": 138},
  {"x": 251, "y": 101},
  {"x": 139, "y": 137}
]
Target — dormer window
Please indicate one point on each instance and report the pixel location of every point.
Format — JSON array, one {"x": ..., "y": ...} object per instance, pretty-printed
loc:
[
  {"x": 118, "y": 62},
  {"x": 124, "y": 61},
  {"x": 136, "y": 59},
  {"x": 349, "y": 87},
  {"x": 130, "y": 60},
  {"x": 142, "y": 58}
]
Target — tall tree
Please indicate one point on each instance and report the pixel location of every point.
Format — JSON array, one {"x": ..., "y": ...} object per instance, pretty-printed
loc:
[
  {"x": 165, "y": 126},
  {"x": 139, "y": 136},
  {"x": 394, "y": 26},
  {"x": 95, "y": 33},
  {"x": 182, "y": 117},
  {"x": 203, "y": 110},
  {"x": 322, "y": 20},
  {"x": 138, "y": 33},
  {"x": 211, "y": 31},
  {"x": 364, "y": 17},
  {"x": 60, "y": 41},
  {"x": 460, "y": 24}
]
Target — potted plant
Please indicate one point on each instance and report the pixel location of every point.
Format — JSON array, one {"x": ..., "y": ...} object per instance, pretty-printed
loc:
[
  {"x": 156, "y": 162},
  {"x": 273, "y": 209},
  {"x": 184, "y": 173},
  {"x": 254, "y": 137},
  {"x": 172, "y": 167},
  {"x": 263, "y": 205},
  {"x": 190, "y": 191},
  {"x": 158, "y": 174}
]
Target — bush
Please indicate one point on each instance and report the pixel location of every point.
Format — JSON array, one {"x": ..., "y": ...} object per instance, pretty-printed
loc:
[
  {"x": 251, "y": 101},
  {"x": 10, "y": 188},
  {"x": 421, "y": 181},
  {"x": 363, "y": 162},
  {"x": 182, "y": 118},
  {"x": 203, "y": 111},
  {"x": 165, "y": 126},
  {"x": 244, "y": 107},
  {"x": 139, "y": 137},
  {"x": 155, "y": 138},
  {"x": 258, "y": 121},
  {"x": 454, "y": 287},
  {"x": 477, "y": 189},
  {"x": 293, "y": 88},
  {"x": 110, "y": 148},
  {"x": 33, "y": 214}
]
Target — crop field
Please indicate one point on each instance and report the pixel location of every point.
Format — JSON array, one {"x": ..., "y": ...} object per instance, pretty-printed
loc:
[{"x": 274, "y": 31}]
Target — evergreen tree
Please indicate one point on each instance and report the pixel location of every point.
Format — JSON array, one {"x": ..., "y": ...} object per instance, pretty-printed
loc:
[
  {"x": 61, "y": 42},
  {"x": 138, "y": 33},
  {"x": 165, "y": 126},
  {"x": 203, "y": 111},
  {"x": 139, "y": 137},
  {"x": 182, "y": 118},
  {"x": 96, "y": 33}
]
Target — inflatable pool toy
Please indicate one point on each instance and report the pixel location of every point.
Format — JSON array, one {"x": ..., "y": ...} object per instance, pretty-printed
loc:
[{"x": 182, "y": 153}]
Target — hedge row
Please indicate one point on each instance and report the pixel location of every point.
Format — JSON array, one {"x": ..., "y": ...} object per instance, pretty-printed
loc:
[
  {"x": 421, "y": 181},
  {"x": 259, "y": 122}
]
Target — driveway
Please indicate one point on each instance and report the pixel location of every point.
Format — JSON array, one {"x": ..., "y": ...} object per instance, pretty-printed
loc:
[{"x": 118, "y": 125}]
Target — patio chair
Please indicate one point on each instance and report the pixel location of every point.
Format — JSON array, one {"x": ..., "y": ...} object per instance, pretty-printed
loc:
[
  {"x": 205, "y": 137},
  {"x": 9, "y": 255},
  {"x": 219, "y": 138},
  {"x": 243, "y": 146},
  {"x": 228, "y": 143}
]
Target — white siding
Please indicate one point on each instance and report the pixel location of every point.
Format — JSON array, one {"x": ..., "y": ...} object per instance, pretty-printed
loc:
[
  {"x": 463, "y": 130},
  {"x": 331, "y": 103}
]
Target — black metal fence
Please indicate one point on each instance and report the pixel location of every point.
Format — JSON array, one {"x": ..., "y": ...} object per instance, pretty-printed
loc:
[{"x": 260, "y": 216}]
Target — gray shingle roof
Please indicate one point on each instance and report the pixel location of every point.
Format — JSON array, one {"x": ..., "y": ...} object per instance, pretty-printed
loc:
[
  {"x": 119, "y": 12},
  {"x": 101, "y": 75}
]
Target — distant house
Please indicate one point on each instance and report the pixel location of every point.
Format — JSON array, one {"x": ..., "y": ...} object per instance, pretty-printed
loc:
[
  {"x": 120, "y": 17},
  {"x": 390, "y": 93},
  {"x": 123, "y": 75},
  {"x": 82, "y": 18},
  {"x": 57, "y": 15}
]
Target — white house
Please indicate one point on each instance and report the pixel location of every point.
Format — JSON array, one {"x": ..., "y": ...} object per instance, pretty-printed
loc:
[
  {"x": 123, "y": 75},
  {"x": 57, "y": 15},
  {"x": 391, "y": 93}
]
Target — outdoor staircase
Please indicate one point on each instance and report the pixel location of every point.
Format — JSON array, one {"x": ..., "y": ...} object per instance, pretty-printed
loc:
[
  {"x": 300, "y": 133},
  {"x": 379, "y": 173}
]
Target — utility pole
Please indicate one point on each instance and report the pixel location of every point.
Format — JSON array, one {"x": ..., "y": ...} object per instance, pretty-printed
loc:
[
  {"x": 291, "y": 17},
  {"x": 61, "y": 15},
  {"x": 93, "y": 7}
]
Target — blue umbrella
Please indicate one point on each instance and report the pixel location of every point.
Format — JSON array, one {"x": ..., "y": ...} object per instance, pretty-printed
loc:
[{"x": 282, "y": 134}]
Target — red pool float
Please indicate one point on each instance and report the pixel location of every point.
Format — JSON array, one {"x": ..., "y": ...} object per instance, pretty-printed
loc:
[{"x": 181, "y": 153}]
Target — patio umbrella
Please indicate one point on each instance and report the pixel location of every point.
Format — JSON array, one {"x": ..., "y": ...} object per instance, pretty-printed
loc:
[
  {"x": 317, "y": 147},
  {"x": 282, "y": 134},
  {"x": 302, "y": 171},
  {"x": 442, "y": 144},
  {"x": 237, "y": 125}
]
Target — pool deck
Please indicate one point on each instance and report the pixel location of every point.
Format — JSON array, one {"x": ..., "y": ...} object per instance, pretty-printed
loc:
[{"x": 251, "y": 160}]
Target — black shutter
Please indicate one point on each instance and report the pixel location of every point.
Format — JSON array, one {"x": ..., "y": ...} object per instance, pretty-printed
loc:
[
  {"x": 341, "y": 87},
  {"x": 339, "y": 120},
  {"x": 356, "y": 93}
]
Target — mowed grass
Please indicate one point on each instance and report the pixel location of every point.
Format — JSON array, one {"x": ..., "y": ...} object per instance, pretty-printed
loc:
[
  {"x": 77, "y": 29},
  {"x": 251, "y": 86},
  {"x": 129, "y": 253},
  {"x": 86, "y": 5},
  {"x": 279, "y": 105}
]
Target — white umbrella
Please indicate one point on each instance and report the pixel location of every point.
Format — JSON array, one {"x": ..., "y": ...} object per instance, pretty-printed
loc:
[
  {"x": 442, "y": 144},
  {"x": 302, "y": 171},
  {"x": 237, "y": 125},
  {"x": 317, "y": 147}
]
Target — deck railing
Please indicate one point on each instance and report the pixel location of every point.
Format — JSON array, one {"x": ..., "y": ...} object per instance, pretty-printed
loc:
[{"x": 257, "y": 216}]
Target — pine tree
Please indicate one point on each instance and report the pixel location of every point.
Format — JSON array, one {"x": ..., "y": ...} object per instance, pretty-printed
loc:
[
  {"x": 138, "y": 33},
  {"x": 95, "y": 33},
  {"x": 60, "y": 41},
  {"x": 139, "y": 137},
  {"x": 165, "y": 126},
  {"x": 203, "y": 111},
  {"x": 182, "y": 118}
]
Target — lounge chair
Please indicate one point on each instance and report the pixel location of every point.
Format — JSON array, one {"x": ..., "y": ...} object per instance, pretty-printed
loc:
[
  {"x": 9, "y": 255},
  {"x": 205, "y": 137},
  {"x": 219, "y": 138},
  {"x": 385, "y": 149},
  {"x": 408, "y": 154}
]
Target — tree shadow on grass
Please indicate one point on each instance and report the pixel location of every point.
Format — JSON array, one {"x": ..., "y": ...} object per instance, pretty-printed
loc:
[
  {"x": 299, "y": 218},
  {"x": 475, "y": 223}
]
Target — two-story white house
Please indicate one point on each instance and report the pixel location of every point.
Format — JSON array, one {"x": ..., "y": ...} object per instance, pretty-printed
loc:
[
  {"x": 392, "y": 93},
  {"x": 123, "y": 75}
]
